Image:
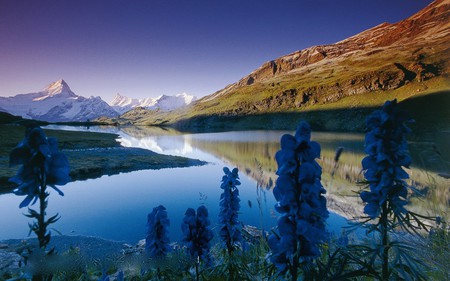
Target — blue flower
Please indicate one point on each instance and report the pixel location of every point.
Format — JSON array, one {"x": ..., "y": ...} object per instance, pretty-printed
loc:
[
  {"x": 387, "y": 150},
  {"x": 42, "y": 165},
  {"x": 120, "y": 276},
  {"x": 197, "y": 233},
  {"x": 300, "y": 201},
  {"x": 104, "y": 277},
  {"x": 157, "y": 240},
  {"x": 230, "y": 227}
]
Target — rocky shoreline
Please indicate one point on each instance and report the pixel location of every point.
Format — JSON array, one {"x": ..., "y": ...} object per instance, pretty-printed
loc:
[
  {"x": 75, "y": 250},
  {"x": 14, "y": 252}
]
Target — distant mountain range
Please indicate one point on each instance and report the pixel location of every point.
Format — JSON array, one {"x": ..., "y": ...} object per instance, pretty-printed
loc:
[
  {"x": 333, "y": 86},
  {"x": 340, "y": 81},
  {"x": 123, "y": 104},
  {"x": 57, "y": 103}
]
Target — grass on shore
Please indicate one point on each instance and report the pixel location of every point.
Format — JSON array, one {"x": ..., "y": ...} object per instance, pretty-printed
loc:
[{"x": 91, "y": 155}]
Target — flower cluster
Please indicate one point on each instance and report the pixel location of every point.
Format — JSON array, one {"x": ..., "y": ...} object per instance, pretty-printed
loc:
[
  {"x": 301, "y": 203},
  {"x": 387, "y": 151},
  {"x": 197, "y": 233},
  {"x": 157, "y": 240},
  {"x": 42, "y": 165},
  {"x": 104, "y": 277},
  {"x": 230, "y": 230}
]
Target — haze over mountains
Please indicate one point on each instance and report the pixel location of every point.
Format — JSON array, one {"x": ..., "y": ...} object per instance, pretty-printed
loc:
[{"x": 58, "y": 103}]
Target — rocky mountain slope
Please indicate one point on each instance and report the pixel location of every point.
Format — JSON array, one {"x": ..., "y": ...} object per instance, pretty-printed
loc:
[
  {"x": 123, "y": 104},
  {"x": 399, "y": 60},
  {"x": 56, "y": 103}
]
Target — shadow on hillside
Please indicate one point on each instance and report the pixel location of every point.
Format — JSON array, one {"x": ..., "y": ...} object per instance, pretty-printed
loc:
[{"x": 430, "y": 113}]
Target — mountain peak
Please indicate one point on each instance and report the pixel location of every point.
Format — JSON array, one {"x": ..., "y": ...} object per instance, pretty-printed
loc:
[
  {"x": 123, "y": 104},
  {"x": 57, "y": 103},
  {"x": 431, "y": 23},
  {"x": 120, "y": 100},
  {"x": 59, "y": 87}
]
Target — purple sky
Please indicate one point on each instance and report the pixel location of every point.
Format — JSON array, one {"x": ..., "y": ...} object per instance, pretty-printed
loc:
[{"x": 153, "y": 47}]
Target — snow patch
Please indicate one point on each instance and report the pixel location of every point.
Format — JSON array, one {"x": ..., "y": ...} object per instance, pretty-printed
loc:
[{"x": 123, "y": 104}]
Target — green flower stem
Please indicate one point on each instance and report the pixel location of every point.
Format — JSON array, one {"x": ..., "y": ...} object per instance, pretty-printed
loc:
[
  {"x": 295, "y": 265},
  {"x": 42, "y": 228},
  {"x": 385, "y": 242},
  {"x": 229, "y": 240},
  {"x": 196, "y": 269}
]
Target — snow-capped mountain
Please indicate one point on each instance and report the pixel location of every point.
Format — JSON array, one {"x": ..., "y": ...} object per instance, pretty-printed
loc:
[
  {"x": 56, "y": 103},
  {"x": 123, "y": 104}
]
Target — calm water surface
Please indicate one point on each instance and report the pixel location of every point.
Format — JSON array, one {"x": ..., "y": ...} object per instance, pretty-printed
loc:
[{"x": 116, "y": 207}]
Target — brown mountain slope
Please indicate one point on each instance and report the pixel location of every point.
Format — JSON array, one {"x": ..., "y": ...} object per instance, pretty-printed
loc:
[
  {"x": 388, "y": 61},
  {"x": 415, "y": 48}
]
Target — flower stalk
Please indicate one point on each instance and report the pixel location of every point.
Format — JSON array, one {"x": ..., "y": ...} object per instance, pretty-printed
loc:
[
  {"x": 300, "y": 202},
  {"x": 197, "y": 235},
  {"x": 42, "y": 165},
  {"x": 385, "y": 200}
]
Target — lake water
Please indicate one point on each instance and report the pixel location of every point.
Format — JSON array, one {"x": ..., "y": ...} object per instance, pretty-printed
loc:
[{"x": 116, "y": 207}]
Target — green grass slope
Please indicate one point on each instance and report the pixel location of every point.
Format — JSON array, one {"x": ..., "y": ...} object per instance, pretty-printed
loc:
[{"x": 332, "y": 85}]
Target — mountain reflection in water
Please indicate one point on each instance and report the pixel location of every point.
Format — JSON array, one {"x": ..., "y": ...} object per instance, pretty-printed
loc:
[{"x": 253, "y": 152}]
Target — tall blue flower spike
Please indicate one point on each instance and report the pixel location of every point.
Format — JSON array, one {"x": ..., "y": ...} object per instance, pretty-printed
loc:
[
  {"x": 157, "y": 240},
  {"x": 120, "y": 276},
  {"x": 230, "y": 226},
  {"x": 104, "y": 277},
  {"x": 197, "y": 233},
  {"x": 300, "y": 201},
  {"x": 387, "y": 150},
  {"x": 42, "y": 164}
]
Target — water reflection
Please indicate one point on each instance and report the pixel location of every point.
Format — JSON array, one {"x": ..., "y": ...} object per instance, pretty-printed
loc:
[{"x": 253, "y": 153}]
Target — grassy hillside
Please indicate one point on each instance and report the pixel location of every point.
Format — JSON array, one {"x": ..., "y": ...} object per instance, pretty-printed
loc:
[
  {"x": 333, "y": 85},
  {"x": 429, "y": 109}
]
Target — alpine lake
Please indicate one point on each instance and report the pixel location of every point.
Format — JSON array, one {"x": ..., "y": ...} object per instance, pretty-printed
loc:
[{"x": 116, "y": 207}]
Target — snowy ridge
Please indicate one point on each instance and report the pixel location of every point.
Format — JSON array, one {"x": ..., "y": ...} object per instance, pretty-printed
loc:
[
  {"x": 57, "y": 103},
  {"x": 123, "y": 104}
]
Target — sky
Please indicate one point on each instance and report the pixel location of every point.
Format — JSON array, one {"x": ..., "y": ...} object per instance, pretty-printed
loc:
[{"x": 148, "y": 48}]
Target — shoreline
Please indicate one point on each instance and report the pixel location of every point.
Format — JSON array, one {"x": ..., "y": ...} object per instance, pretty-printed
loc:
[
  {"x": 91, "y": 155},
  {"x": 110, "y": 161}
]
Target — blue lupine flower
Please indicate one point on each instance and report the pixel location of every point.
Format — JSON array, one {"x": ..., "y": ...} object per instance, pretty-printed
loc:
[
  {"x": 197, "y": 233},
  {"x": 104, "y": 277},
  {"x": 300, "y": 201},
  {"x": 438, "y": 220},
  {"x": 42, "y": 164},
  {"x": 120, "y": 276},
  {"x": 387, "y": 150},
  {"x": 343, "y": 240},
  {"x": 230, "y": 230},
  {"x": 157, "y": 240}
]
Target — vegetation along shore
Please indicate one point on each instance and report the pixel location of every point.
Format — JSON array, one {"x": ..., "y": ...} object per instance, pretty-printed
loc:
[{"x": 91, "y": 155}]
